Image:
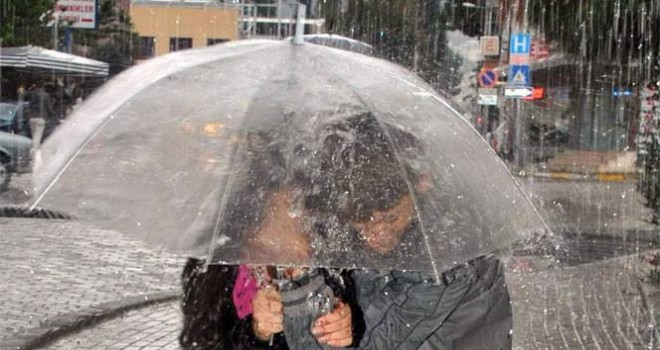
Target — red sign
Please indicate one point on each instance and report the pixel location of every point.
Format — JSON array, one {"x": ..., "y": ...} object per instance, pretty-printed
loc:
[
  {"x": 539, "y": 49},
  {"x": 538, "y": 93}
]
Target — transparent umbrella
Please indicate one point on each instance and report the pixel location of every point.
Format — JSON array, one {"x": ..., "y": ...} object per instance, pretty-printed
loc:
[{"x": 268, "y": 152}]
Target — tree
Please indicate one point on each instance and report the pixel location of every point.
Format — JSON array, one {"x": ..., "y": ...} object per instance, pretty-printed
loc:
[
  {"x": 113, "y": 41},
  {"x": 21, "y": 24}
]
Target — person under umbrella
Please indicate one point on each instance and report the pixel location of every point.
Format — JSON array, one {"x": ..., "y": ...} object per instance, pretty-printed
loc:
[
  {"x": 376, "y": 191},
  {"x": 253, "y": 307}
]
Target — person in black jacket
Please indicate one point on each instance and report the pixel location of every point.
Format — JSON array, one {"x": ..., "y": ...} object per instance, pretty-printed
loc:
[{"x": 365, "y": 184}]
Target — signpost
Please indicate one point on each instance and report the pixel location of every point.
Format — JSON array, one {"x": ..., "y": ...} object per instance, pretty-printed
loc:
[{"x": 519, "y": 83}]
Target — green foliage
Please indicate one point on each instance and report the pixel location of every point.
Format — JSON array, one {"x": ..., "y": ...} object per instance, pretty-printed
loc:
[
  {"x": 20, "y": 24},
  {"x": 113, "y": 41}
]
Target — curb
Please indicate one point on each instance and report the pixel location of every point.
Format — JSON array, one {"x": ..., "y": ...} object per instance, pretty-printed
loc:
[
  {"x": 600, "y": 177},
  {"x": 63, "y": 325}
]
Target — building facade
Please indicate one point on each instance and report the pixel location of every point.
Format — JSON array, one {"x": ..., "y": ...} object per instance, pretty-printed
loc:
[{"x": 166, "y": 26}]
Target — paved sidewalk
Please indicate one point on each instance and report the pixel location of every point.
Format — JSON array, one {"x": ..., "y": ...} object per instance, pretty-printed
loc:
[
  {"x": 592, "y": 306},
  {"x": 56, "y": 273}
]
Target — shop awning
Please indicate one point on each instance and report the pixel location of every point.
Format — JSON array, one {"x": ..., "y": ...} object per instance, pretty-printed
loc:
[{"x": 39, "y": 60}]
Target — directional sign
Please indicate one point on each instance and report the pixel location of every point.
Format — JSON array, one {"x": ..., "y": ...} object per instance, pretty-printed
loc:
[
  {"x": 487, "y": 78},
  {"x": 517, "y": 92}
]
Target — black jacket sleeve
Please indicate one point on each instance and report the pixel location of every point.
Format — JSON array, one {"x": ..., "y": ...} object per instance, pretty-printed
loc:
[{"x": 400, "y": 311}]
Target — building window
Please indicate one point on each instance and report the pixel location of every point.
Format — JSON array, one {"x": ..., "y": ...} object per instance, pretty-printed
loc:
[
  {"x": 146, "y": 47},
  {"x": 210, "y": 42},
  {"x": 177, "y": 44}
]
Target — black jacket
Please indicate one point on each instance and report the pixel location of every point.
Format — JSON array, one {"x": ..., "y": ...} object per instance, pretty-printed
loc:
[{"x": 468, "y": 309}]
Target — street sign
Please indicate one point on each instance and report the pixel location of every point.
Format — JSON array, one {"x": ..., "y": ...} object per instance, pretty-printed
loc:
[
  {"x": 487, "y": 78},
  {"x": 519, "y": 76},
  {"x": 521, "y": 44},
  {"x": 619, "y": 92},
  {"x": 490, "y": 45},
  {"x": 487, "y": 97},
  {"x": 79, "y": 13},
  {"x": 538, "y": 93},
  {"x": 519, "y": 72},
  {"x": 517, "y": 92},
  {"x": 539, "y": 49}
]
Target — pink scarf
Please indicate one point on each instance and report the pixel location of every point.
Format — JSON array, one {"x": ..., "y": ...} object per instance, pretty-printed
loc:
[{"x": 245, "y": 287}]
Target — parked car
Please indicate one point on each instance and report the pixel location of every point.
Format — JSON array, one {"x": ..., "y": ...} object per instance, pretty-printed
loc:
[
  {"x": 12, "y": 119},
  {"x": 15, "y": 157}
]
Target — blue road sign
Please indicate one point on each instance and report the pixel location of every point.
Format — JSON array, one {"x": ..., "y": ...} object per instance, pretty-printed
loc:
[
  {"x": 519, "y": 76},
  {"x": 521, "y": 44}
]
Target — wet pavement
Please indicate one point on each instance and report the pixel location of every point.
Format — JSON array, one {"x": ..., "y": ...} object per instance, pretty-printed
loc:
[
  {"x": 60, "y": 272},
  {"x": 57, "y": 272},
  {"x": 593, "y": 306}
]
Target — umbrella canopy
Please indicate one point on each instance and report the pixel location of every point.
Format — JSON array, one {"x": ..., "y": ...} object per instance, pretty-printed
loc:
[
  {"x": 38, "y": 59},
  {"x": 339, "y": 42},
  {"x": 269, "y": 152}
]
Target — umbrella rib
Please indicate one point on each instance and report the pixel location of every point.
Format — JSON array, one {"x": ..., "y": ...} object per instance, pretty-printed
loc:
[
  {"x": 115, "y": 108},
  {"x": 223, "y": 204},
  {"x": 415, "y": 201},
  {"x": 68, "y": 163}
]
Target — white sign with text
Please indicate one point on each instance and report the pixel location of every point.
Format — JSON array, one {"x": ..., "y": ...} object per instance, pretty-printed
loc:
[{"x": 78, "y": 13}]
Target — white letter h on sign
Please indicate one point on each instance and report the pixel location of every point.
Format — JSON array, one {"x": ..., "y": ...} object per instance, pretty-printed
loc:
[{"x": 519, "y": 44}]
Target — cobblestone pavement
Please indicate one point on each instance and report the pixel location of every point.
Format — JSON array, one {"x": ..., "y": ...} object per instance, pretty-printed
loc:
[
  {"x": 150, "y": 328},
  {"x": 592, "y": 306},
  {"x": 53, "y": 268},
  {"x": 18, "y": 191}
]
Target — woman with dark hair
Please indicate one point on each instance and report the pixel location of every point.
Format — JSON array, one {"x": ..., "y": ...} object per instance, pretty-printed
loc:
[{"x": 254, "y": 307}]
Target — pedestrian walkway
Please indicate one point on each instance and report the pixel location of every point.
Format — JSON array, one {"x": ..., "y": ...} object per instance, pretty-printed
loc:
[
  {"x": 590, "y": 306},
  {"x": 56, "y": 273}
]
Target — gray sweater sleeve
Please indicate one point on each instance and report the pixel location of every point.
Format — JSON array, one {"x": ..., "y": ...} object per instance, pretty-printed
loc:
[{"x": 403, "y": 309}]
